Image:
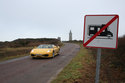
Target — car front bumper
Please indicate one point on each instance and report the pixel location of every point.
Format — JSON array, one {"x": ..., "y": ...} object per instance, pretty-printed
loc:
[{"x": 42, "y": 55}]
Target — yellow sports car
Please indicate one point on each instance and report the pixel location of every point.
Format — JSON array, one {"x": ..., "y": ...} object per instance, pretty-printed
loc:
[{"x": 45, "y": 51}]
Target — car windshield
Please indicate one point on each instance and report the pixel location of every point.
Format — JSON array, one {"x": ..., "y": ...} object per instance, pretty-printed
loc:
[{"x": 44, "y": 46}]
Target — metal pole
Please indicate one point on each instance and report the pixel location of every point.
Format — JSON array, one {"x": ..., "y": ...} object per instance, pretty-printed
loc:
[{"x": 98, "y": 65}]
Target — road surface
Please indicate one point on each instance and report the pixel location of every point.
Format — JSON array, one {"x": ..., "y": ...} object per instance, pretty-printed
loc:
[{"x": 28, "y": 70}]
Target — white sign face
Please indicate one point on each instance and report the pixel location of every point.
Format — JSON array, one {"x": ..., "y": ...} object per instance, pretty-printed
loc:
[{"x": 101, "y": 31}]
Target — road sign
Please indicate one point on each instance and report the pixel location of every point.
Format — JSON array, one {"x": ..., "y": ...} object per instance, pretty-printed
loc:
[{"x": 101, "y": 31}]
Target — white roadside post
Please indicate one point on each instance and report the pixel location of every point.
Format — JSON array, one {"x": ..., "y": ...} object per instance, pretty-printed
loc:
[{"x": 100, "y": 31}]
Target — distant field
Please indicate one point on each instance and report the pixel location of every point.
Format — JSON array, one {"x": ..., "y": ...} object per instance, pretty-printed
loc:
[{"x": 9, "y": 53}]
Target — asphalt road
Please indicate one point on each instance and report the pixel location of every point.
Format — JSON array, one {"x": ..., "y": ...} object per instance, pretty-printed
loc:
[{"x": 28, "y": 70}]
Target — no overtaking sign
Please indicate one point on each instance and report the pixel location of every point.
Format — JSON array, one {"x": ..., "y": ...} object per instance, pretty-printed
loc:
[{"x": 101, "y": 31}]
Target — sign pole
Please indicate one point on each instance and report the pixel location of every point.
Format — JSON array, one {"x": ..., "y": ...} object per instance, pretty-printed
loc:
[
  {"x": 98, "y": 65},
  {"x": 102, "y": 37}
]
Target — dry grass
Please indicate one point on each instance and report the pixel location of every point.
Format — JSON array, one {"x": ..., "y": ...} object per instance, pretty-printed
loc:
[
  {"x": 9, "y": 53},
  {"x": 12, "y": 57},
  {"x": 113, "y": 63}
]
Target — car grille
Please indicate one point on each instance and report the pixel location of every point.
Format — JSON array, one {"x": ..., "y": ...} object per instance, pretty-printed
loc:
[
  {"x": 39, "y": 55},
  {"x": 32, "y": 55},
  {"x": 45, "y": 55}
]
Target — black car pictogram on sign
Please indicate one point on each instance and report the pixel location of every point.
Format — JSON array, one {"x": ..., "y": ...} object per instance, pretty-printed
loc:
[{"x": 93, "y": 29}]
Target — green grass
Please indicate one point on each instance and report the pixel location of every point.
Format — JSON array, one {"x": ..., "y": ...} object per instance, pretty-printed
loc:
[{"x": 71, "y": 73}]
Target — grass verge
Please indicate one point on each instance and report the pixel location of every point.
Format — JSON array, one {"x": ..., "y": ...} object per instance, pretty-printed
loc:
[
  {"x": 11, "y": 53},
  {"x": 73, "y": 72},
  {"x": 12, "y": 57}
]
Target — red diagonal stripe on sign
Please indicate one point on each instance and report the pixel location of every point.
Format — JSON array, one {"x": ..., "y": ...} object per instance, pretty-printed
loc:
[{"x": 104, "y": 27}]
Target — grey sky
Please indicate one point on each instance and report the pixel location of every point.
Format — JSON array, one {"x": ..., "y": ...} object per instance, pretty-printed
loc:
[{"x": 53, "y": 18}]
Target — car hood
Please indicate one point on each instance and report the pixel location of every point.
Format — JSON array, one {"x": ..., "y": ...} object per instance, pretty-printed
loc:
[{"x": 40, "y": 51}]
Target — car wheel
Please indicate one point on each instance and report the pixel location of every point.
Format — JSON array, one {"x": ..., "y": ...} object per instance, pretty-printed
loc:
[
  {"x": 58, "y": 53},
  {"x": 53, "y": 54},
  {"x": 33, "y": 58},
  {"x": 109, "y": 36}
]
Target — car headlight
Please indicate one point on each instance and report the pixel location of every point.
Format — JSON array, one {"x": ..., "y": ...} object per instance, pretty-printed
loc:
[
  {"x": 32, "y": 50},
  {"x": 49, "y": 51}
]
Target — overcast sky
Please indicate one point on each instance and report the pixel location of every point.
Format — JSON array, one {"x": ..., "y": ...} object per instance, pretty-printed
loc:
[{"x": 53, "y": 18}]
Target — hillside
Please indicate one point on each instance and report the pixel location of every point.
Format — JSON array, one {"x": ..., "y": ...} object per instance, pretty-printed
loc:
[{"x": 28, "y": 42}]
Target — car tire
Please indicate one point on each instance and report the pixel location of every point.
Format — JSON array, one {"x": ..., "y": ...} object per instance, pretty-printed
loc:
[
  {"x": 53, "y": 55},
  {"x": 58, "y": 53},
  {"x": 33, "y": 58},
  {"x": 109, "y": 36}
]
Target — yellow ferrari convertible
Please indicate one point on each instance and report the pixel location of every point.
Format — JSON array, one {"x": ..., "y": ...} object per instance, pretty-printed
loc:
[{"x": 45, "y": 51}]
